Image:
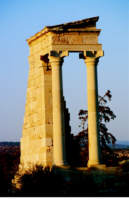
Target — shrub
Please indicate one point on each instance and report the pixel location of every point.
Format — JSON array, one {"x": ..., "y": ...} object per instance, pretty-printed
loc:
[{"x": 41, "y": 181}]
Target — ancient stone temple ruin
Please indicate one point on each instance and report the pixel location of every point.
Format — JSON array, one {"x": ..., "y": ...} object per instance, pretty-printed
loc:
[{"x": 44, "y": 130}]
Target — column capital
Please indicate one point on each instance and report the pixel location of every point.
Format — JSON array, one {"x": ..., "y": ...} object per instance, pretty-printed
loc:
[
  {"x": 55, "y": 59},
  {"x": 91, "y": 61},
  {"x": 60, "y": 54},
  {"x": 91, "y": 57}
]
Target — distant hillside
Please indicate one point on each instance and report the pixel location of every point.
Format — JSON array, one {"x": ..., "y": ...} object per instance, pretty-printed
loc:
[
  {"x": 120, "y": 145},
  {"x": 9, "y": 143}
]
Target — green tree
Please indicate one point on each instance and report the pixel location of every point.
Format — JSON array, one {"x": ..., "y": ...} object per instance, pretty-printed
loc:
[{"x": 105, "y": 116}]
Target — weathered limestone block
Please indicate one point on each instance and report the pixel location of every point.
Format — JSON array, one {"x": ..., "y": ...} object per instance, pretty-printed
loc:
[
  {"x": 33, "y": 128},
  {"x": 74, "y": 39},
  {"x": 37, "y": 141}
]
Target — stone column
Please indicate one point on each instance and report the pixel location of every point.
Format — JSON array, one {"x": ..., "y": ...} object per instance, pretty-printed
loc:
[
  {"x": 93, "y": 132},
  {"x": 58, "y": 124}
]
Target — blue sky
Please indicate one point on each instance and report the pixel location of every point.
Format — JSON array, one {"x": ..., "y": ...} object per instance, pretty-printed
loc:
[{"x": 21, "y": 19}]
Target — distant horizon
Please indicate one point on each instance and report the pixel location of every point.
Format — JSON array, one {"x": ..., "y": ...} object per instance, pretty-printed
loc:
[{"x": 126, "y": 142}]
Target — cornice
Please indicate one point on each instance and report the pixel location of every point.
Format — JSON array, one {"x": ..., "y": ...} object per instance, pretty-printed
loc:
[{"x": 75, "y": 26}]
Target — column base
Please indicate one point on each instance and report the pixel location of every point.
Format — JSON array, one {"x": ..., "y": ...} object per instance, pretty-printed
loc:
[
  {"x": 59, "y": 164},
  {"x": 96, "y": 165}
]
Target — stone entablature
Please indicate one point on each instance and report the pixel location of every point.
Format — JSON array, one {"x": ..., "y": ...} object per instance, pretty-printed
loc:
[{"x": 77, "y": 36}]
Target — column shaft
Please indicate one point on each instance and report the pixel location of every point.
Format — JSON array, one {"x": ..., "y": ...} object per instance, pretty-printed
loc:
[
  {"x": 58, "y": 127},
  {"x": 93, "y": 133}
]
